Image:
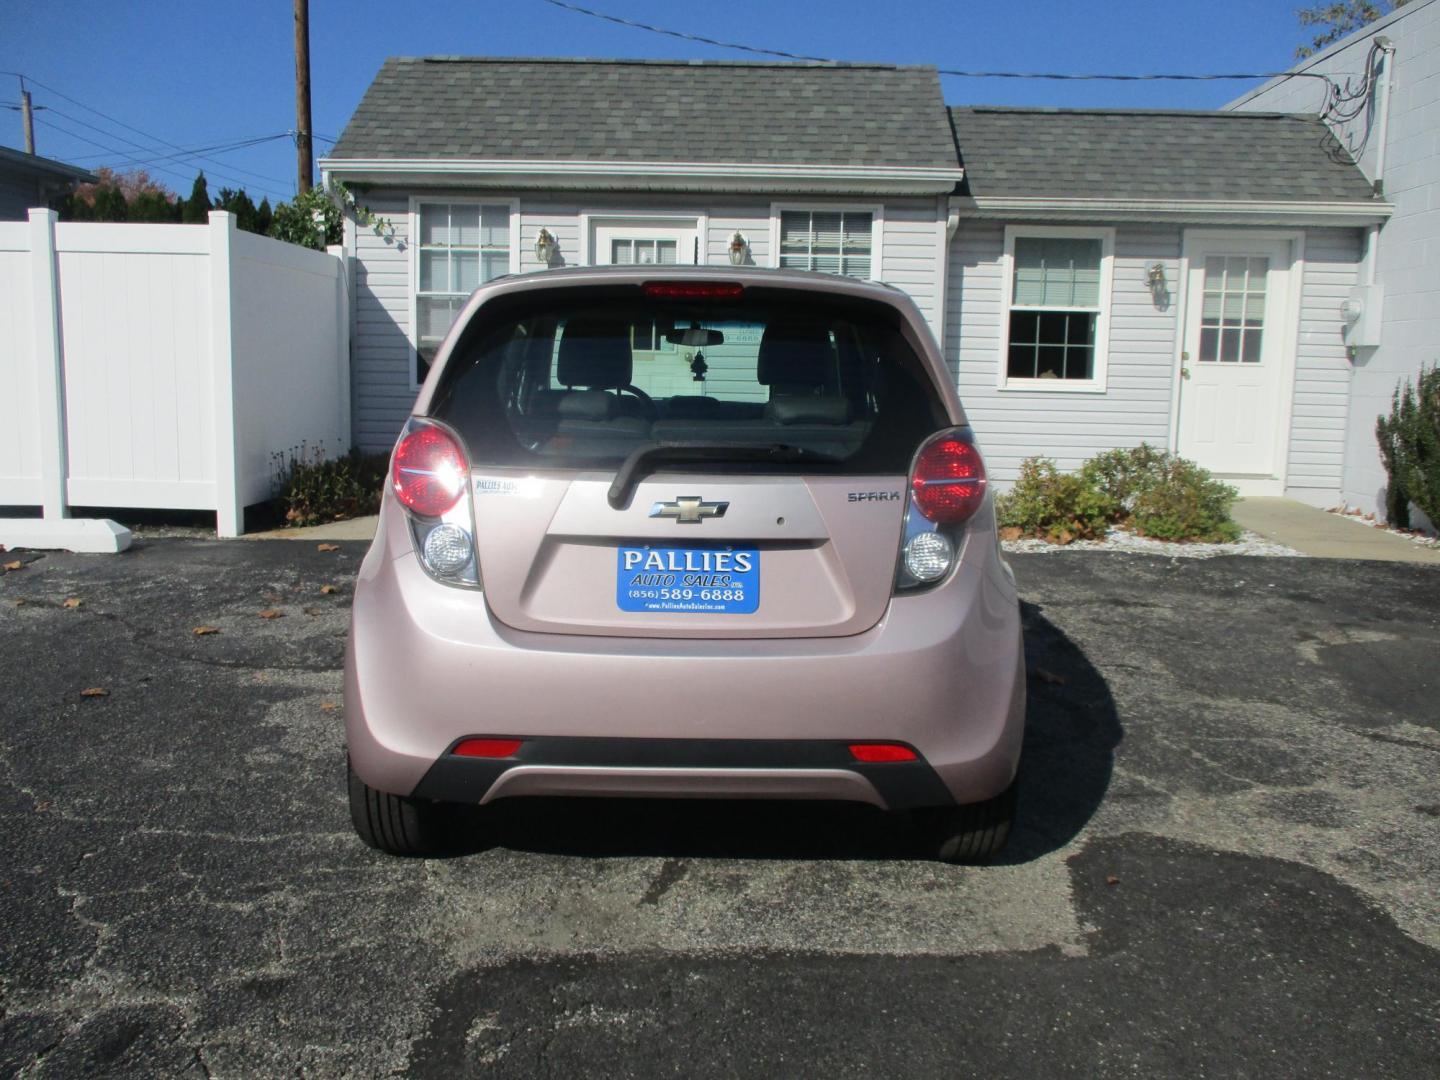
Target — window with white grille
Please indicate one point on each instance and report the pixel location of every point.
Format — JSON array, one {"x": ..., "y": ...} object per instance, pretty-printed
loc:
[
  {"x": 830, "y": 241},
  {"x": 460, "y": 247},
  {"x": 1057, "y": 316}
]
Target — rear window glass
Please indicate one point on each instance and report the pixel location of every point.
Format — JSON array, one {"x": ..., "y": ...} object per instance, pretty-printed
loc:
[{"x": 583, "y": 377}]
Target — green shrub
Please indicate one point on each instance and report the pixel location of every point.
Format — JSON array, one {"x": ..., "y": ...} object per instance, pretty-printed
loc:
[
  {"x": 1410, "y": 449},
  {"x": 1146, "y": 489},
  {"x": 1184, "y": 502},
  {"x": 314, "y": 488},
  {"x": 1060, "y": 507},
  {"x": 1123, "y": 474}
]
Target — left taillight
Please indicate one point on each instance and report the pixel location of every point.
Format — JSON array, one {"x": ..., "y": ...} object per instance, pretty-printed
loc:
[
  {"x": 430, "y": 477},
  {"x": 428, "y": 469},
  {"x": 947, "y": 487}
]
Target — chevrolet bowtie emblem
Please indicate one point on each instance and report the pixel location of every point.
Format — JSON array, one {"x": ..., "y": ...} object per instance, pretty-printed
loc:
[{"x": 689, "y": 509}]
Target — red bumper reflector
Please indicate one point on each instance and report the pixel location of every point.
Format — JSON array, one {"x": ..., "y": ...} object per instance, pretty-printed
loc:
[
  {"x": 493, "y": 748},
  {"x": 692, "y": 290},
  {"x": 875, "y": 752}
]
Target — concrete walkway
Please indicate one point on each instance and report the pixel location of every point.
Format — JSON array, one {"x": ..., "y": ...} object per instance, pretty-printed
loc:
[
  {"x": 361, "y": 528},
  {"x": 1326, "y": 535}
]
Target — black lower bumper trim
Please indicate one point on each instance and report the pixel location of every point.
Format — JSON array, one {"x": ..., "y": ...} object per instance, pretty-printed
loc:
[{"x": 902, "y": 784}]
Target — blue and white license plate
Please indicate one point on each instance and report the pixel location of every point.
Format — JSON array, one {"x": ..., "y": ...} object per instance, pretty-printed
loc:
[{"x": 704, "y": 580}]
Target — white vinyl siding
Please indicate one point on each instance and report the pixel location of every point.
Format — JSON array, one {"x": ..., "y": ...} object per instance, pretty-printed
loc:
[
  {"x": 906, "y": 240},
  {"x": 1408, "y": 262},
  {"x": 1323, "y": 371},
  {"x": 1013, "y": 424},
  {"x": 381, "y": 362},
  {"x": 1141, "y": 358}
]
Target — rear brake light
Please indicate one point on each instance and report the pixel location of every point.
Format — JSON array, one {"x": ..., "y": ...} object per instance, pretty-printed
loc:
[
  {"x": 487, "y": 748},
  {"x": 948, "y": 481},
  {"x": 873, "y": 753},
  {"x": 692, "y": 290},
  {"x": 429, "y": 471}
]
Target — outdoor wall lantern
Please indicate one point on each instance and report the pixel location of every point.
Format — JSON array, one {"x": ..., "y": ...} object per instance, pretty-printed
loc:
[
  {"x": 1156, "y": 277},
  {"x": 546, "y": 247},
  {"x": 739, "y": 250}
]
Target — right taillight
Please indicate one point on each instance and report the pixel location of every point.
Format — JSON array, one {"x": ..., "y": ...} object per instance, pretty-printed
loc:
[
  {"x": 947, "y": 483},
  {"x": 947, "y": 487},
  {"x": 430, "y": 477},
  {"x": 429, "y": 470}
]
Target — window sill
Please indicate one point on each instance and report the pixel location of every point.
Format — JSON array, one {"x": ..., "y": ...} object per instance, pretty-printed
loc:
[{"x": 1052, "y": 386}]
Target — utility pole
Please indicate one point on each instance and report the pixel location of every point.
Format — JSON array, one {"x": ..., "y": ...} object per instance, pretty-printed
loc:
[
  {"x": 303, "y": 154},
  {"x": 29, "y": 118}
]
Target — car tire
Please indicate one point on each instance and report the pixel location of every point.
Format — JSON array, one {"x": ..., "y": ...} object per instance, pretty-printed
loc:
[
  {"x": 394, "y": 824},
  {"x": 974, "y": 833}
]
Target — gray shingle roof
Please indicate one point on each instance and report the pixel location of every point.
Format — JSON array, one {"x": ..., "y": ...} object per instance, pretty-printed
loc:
[
  {"x": 662, "y": 111},
  {"x": 1130, "y": 154},
  {"x": 16, "y": 162}
]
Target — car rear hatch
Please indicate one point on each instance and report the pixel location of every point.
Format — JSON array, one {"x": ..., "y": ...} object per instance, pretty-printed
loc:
[{"x": 708, "y": 465}]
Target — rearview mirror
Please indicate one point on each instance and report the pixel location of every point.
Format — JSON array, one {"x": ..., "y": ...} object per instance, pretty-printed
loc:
[{"x": 694, "y": 337}]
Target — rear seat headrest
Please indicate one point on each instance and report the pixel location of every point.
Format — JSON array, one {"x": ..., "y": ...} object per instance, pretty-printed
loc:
[
  {"x": 595, "y": 353},
  {"x": 795, "y": 354},
  {"x": 586, "y": 405},
  {"x": 809, "y": 410}
]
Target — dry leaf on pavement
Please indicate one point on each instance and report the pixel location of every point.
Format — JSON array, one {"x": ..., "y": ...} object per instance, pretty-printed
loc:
[
  {"x": 271, "y": 613},
  {"x": 16, "y": 565},
  {"x": 201, "y": 631},
  {"x": 327, "y": 547},
  {"x": 328, "y": 706},
  {"x": 328, "y": 589},
  {"x": 95, "y": 691},
  {"x": 72, "y": 602}
]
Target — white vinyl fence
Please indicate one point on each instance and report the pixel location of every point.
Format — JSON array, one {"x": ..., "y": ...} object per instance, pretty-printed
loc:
[{"x": 161, "y": 366}]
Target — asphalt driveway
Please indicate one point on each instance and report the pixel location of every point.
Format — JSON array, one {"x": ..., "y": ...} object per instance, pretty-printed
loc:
[{"x": 1228, "y": 859}]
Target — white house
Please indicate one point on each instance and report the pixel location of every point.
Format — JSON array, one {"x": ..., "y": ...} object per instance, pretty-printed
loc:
[
  {"x": 1393, "y": 129},
  {"x": 1097, "y": 278}
]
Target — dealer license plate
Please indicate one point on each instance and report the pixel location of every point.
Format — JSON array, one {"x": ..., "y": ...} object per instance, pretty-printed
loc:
[{"x": 701, "y": 580}]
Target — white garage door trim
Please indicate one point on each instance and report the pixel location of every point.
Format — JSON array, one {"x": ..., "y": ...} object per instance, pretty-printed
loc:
[{"x": 1286, "y": 324}]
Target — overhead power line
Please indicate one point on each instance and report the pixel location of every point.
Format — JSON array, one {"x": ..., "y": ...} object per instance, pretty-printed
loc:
[
  {"x": 182, "y": 155},
  {"x": 131, "y": 159},
  {"x": 1334, "y": 88},
  {"x": 156, "y": 139}
]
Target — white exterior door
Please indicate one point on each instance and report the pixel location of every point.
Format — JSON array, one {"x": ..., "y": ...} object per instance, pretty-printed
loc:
[
  {"x": 643, "y": 242},
  {"x": 1237, "y": 356}
]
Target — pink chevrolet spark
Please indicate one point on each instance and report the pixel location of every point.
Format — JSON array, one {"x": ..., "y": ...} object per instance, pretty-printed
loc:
[{"x": 686, "y": 532}]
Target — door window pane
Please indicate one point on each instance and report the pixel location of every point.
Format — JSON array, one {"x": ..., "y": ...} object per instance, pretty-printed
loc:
[{"x": 1232, "y": 309}]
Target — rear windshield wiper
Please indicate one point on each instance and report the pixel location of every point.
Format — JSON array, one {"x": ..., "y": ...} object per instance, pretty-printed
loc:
[{"x": 643, "y": 460}]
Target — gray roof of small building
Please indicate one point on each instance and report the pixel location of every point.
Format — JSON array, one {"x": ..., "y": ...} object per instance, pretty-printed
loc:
[
  {"x": 713, "y": 112},
  {"x": 17, "y": 161},
  {"x": 1152, "y": 155}
]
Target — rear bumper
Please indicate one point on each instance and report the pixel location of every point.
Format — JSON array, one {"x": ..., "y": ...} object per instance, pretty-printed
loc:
[
  {"x": 943, "y": 672},
  {"x": 684, "y": 768}
]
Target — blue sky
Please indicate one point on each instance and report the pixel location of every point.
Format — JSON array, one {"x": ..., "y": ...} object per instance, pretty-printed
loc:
[{"x": 187, "y": 75}]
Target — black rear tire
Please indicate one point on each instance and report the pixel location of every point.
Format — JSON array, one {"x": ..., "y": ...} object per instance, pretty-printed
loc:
[
  {"x": 974, "y": 833},
  {"x": 395, "y": 824}
]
